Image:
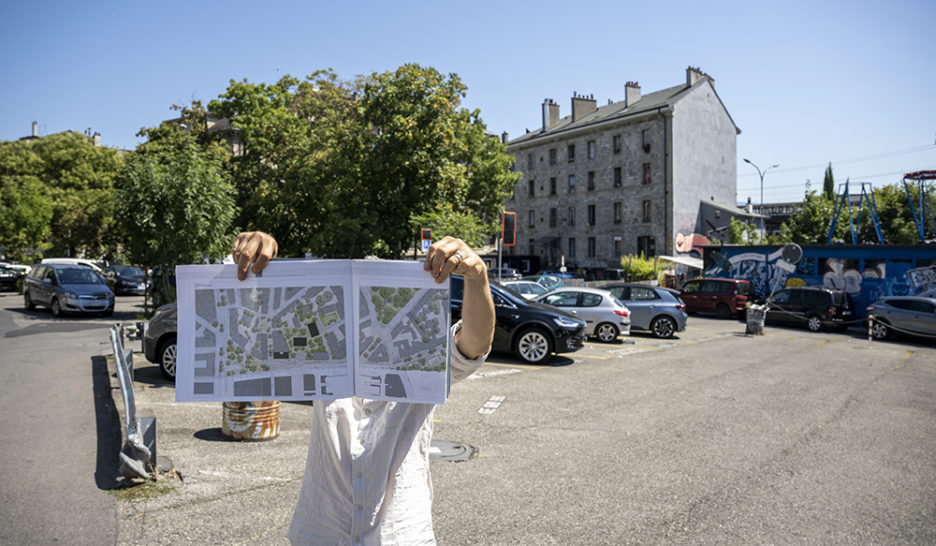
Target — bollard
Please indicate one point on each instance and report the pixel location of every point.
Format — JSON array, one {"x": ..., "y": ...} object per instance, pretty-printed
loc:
[
  {"x": 870, "y": 329},
  {"x": 251, "y": 421}
]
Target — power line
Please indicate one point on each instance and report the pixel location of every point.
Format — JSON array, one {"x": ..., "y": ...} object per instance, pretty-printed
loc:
[
  {"x": 856, "y": 178},
  {"x": 854, "y": 160}
]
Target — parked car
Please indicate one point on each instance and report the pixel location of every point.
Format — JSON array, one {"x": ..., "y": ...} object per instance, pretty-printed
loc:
[
  {"x": 8, "y": 278},
  {"x": 724, "y": 297},
  {"x": 531, "y": 331},
  {"x": 504, "y": 273},
  {"x": 21, "y": 270},
  {"x": 810, "y": 306},
  {"x": 652, "y": 308},
  {"x": 126, "y": 279},
  {"x": 549, "y": 282},
  {"x": 75, "y": 261},
  {"x": 910, "y": 315},
  {"x": 604, "y": 314},
  {"x": 159, "y": 339},
  {"x": 527, "y": 289},
  {"x": 67, "y": 289}
]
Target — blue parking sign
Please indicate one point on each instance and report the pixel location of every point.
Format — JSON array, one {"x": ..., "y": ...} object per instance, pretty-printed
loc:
[{"x": 426, "y": 243}]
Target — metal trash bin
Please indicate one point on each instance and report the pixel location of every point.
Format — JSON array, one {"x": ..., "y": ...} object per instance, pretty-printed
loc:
[
  {"x": 251, "y": 421},
  {"x": 755, "y": 319}
]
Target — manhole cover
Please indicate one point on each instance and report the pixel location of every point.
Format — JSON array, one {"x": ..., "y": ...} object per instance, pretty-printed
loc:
[{"x": 443, "y": 450}]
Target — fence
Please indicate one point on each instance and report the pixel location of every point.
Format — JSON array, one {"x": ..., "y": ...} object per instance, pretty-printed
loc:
[{"x": 138, "y": 453}]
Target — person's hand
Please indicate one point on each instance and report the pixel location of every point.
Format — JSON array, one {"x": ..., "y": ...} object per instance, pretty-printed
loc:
[
  {"x": 451, "y": 256},
  {"x": 253, "y": 247}
]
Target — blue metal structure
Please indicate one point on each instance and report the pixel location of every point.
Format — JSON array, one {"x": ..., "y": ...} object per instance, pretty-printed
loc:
[
  {"x": 919, "y": 212},
  {"x": 864, "y": 272},
  {"x": 854, "y": 223}
]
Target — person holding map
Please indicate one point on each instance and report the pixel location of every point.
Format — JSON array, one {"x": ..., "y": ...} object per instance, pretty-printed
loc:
[{"x": 367, "y": 473}]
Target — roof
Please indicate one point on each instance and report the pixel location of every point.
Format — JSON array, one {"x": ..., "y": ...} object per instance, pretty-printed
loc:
[
  {"x": 733, "y": 209},
  {"x": 619, "y": 111}
]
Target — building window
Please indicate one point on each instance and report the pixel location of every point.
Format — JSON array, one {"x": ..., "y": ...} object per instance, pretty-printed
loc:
[
  {"x": 617, "y": 247},
  {"x": 571, "y": 183},
  {"x": 552, "y": 186},
  {"x": 532, "y": 218},
  {"x": 571, "y": 153},
  {"x": 552, "y": 217},
  {"x": 571, "y": 216},
  {"x": 531, "y": 187},
  {"x": 530, "y": 162},
  {"x": 616, "y": 143},
  {"x": 618, "y": 178},
  {"x": 591, "y": 180},
  {"x": 591, "y": 247},
  {"x": 646, "y": 246},
  {"x": 646, "y": 211},
  {"x": 532, "y": 247},
  {"x": 646, "y": 173},
  {"x": 591, "y": 215},
  {"x": 591, "y": 149},
  {"x": 618, "y": 212},
  {"x": 571, "y": 247},
  {"x": 645, "y": 139},
  {"x": 552, "y": 156}
]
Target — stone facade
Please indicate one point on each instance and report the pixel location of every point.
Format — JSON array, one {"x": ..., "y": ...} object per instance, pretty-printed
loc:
[{"x": 623, "y": 178}]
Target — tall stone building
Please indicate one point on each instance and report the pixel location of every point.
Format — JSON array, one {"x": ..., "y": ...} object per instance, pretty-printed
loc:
[{"x": 654, "y": 173}]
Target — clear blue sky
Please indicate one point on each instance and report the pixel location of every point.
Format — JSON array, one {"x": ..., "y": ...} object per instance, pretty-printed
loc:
[{"x": 807, "y": 82}]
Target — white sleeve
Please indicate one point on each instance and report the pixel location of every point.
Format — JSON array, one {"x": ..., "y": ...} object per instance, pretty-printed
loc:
[{"x": 463, "y": 366}]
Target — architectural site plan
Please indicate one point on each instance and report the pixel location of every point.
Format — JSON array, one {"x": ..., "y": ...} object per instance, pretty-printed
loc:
[{"x": 312, "y": 329}]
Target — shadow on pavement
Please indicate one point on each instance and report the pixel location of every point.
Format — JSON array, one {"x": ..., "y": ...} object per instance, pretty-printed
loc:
[{"x": 107, "y": 420}]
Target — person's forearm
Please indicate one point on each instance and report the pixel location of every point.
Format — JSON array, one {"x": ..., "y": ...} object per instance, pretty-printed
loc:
[{"x": 477, "y": 331}]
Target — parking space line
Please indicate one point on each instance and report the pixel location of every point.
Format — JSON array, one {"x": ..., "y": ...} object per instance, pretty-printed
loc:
[{"x": 518, "y": 366}]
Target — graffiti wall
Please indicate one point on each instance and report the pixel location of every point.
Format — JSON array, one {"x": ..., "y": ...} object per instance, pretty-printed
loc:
[{"x": 864, "y": 274}]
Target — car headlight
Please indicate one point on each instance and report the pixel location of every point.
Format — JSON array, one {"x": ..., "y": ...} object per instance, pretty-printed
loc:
[
  {"x": 71, "y": 296},
  {"x": 568, "y": 322}
]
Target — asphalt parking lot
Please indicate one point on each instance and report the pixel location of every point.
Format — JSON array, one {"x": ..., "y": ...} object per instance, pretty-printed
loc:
[{"x": 712, "y": 437}]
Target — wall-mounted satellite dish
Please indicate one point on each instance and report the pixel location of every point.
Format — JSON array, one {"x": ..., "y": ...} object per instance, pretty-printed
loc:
[{"x": 792, "y": 253}]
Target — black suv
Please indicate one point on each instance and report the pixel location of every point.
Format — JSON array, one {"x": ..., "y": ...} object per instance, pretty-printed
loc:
[
  {"x": 530, "y": 330},
  {"x": 813, "y": 307}
]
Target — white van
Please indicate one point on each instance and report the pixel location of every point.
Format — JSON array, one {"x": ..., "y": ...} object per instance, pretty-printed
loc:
[{"x": 75, "y": 261}]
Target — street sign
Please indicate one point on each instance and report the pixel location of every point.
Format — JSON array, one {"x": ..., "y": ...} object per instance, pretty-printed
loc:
[
  {"x": 509, "y": 228},
  {"x": 425, "y": 245},
  {"x": 426, "y": 235}
]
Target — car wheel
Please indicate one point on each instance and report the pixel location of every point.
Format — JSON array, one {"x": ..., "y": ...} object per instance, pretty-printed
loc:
[
  {"x": 606, "y": 332},
  {"x": 663, "y": 327},
  {"x": 56, "y": 308},
  {"x": 533, "y": 346},
  {"x": 28, "y": 302},
  {"x": 167, "y": 358},
  {"x": 814, "y": 323},
  {"x": 880, "y": 330},
  {"x": 722, "y": 311}
]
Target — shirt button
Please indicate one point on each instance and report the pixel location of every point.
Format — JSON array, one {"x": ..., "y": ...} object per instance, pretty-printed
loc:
[
  {"x": 357, "y": 539},
  {"x": 367, "y": 412},
  {"x": 360, "y": 508},
  {"x": 360, "y": 474}
]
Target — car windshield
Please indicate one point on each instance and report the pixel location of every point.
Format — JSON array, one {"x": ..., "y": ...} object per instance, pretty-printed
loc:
[
  {"x": 79, "y": 275},
  {"x": 129, "y": 270}
]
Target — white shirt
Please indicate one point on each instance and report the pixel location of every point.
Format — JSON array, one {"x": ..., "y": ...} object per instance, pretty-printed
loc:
[{"x": 367, "y": 473}]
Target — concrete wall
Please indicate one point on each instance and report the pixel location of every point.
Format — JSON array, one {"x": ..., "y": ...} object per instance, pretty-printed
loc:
[{"x": 704, "y": 157}]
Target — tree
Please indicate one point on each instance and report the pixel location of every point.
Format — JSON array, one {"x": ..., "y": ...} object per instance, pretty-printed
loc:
[
  {"x": 344, "y": 168},
  {"x": 828, "y": 184},
  {"x": 76, "y": 177},
  {"x": 25, "y": 218},
  {"x": 177, "y": 203}
]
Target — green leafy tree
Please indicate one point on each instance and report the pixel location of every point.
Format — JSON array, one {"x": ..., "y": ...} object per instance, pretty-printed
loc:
[
  {"x": 344, "y": 168},
  {"x": 176, "y": 200},
  {"x": 811, "y": 222},
  {"x": 77, "y": 178},
  {"x": 828, "y": 183},
  {"x": 25, "y": 218},
  {"x": 640, "y": 268}
]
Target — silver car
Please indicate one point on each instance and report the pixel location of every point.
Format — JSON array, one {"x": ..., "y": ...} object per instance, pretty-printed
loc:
[
  {"x": 159, "y": 339},
  {"x": 606, "y": 317},
  {"x": 653, "y": 308},
  {"x": 527, "y": 289},
  {"x": 911, "y": 315}
]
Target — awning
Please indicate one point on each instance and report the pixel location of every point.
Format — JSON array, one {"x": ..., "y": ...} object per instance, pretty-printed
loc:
[{"x": 684, "y": 260}]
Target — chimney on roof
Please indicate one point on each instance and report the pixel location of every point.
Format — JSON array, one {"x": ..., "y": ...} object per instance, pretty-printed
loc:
[
  {"x": 749, "y": 207},
  {"x": 631, "y": 93},
  {"x": 694, "y": 74},
  {"x": 96, "y": 139},
  {"x": 35, "y": 129},
  {"x": 550, "y": 114},
  {"x": 582, "y": 105},
  {"x": 504, "y": 137}
]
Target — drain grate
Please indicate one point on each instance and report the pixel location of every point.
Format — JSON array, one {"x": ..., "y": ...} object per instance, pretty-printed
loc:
[{"x": 455, "y": 452}]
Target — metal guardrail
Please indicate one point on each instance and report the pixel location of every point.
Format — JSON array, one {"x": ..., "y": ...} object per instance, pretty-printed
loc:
[{"x": 138, "y": 454}]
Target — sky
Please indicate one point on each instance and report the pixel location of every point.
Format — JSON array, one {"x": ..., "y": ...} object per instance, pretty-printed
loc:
[{"x": 808, "y": 83}]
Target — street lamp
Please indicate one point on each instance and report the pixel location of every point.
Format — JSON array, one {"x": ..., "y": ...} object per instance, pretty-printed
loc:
[{"x": 761, "y": 174}]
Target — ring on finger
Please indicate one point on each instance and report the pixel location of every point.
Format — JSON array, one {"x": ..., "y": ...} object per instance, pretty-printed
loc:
[{"x": 458, "y": 257}]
